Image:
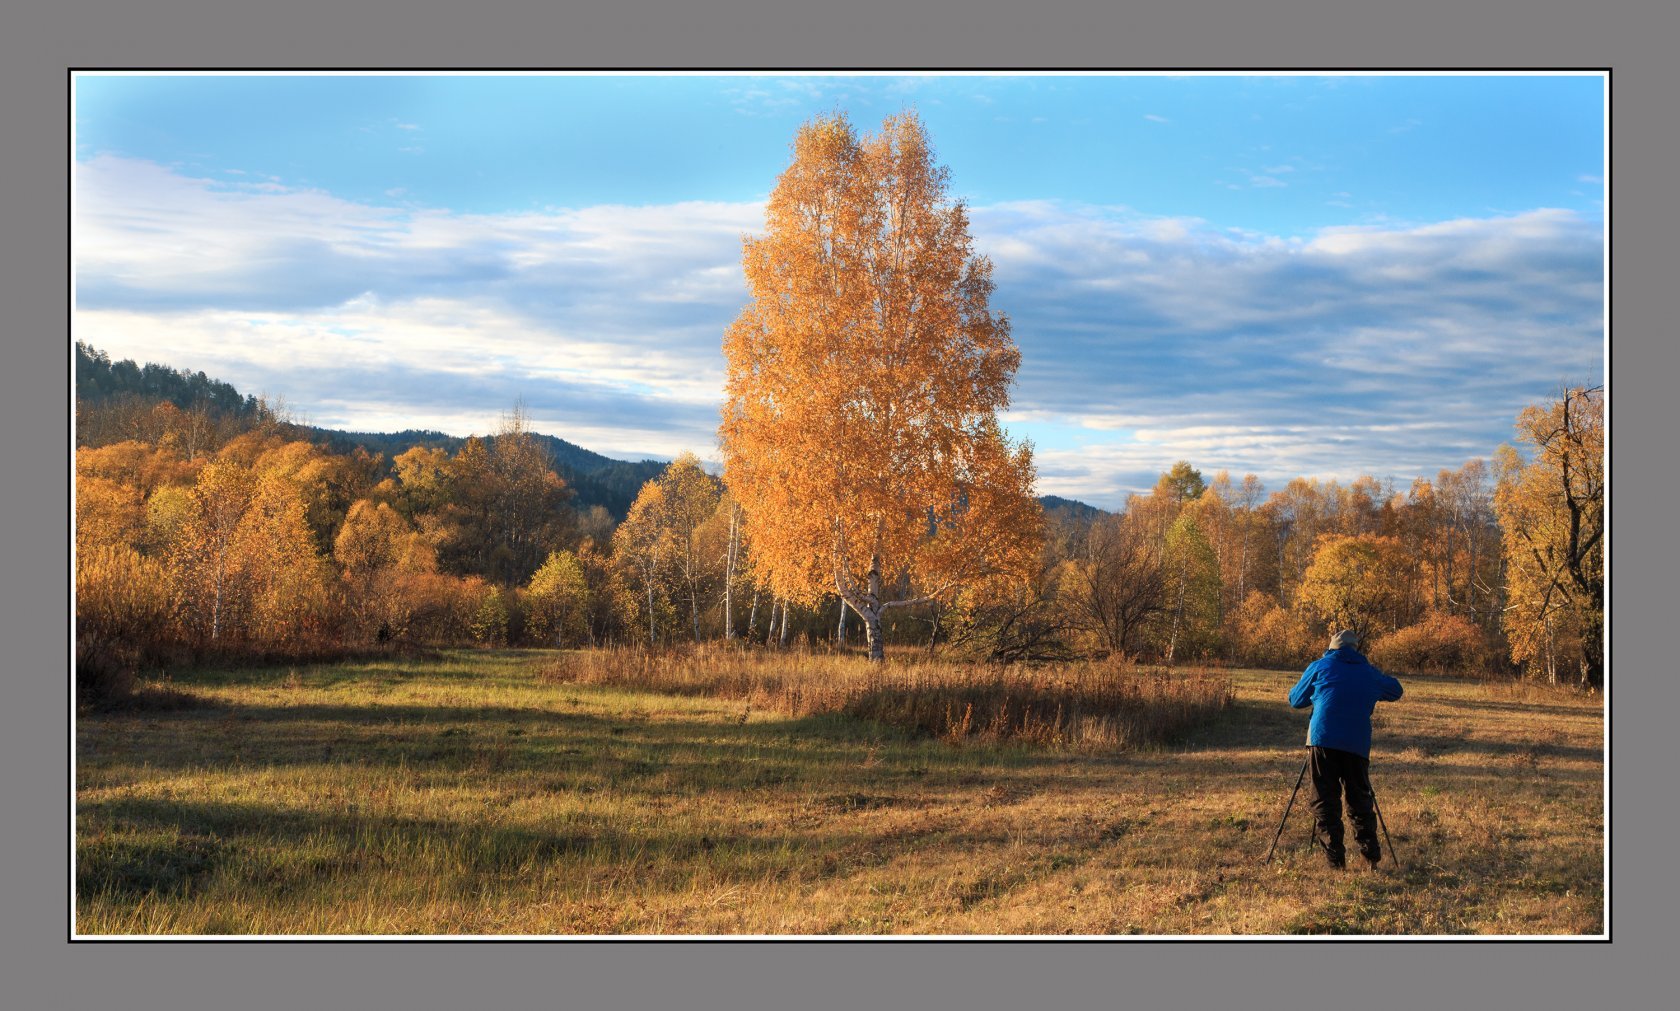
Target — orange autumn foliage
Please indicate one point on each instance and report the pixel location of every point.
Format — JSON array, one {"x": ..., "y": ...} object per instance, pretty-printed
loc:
[
  {"x": 860, "y": 432},
  {"x": 1551, "y": 510}
]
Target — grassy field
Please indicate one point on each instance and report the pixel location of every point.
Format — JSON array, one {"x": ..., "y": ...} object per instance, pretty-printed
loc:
[{"x": 469, "y": 794}]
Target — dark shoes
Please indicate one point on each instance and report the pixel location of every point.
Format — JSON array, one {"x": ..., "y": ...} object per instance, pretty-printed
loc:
[
  {"x": 1369, "y": 849},
  {"x": 1336, "y": 855}
]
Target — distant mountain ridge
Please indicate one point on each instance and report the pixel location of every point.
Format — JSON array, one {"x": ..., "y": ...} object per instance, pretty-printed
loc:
[
  {"x": 1070, "y": 507},
  {"x": 593, "y": 478},
  {"x": 565, "y": 453}
]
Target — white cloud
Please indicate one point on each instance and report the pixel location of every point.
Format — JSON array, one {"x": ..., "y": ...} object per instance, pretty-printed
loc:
[
  {"x": 431, "y": 364},
  {"x": 621, "y": 305},
  {"x": 1156, "y": 119}
]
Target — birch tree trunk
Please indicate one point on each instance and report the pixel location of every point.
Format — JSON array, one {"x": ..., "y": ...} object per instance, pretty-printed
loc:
[
  {"x": 734, "y": 551},
  {"x": 868, "y": 606},
  {"x": 877, "y": 648},
  {"x": 1172, "y": 639},
  {"x": 650, "y": 611},
  {"x": 1242, "y": 570},
  {"x": 216, "y": 608},
  {"x": 694, "y": 609}
]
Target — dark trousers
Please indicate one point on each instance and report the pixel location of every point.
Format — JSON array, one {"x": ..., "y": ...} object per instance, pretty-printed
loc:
[{"x": 1333, "y": 772}]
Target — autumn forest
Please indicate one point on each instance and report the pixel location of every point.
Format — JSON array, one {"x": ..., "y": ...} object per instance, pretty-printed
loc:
[{"x": 208, "y": 531}]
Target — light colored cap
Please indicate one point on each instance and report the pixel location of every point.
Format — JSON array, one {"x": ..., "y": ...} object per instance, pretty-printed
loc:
[{"x": 1347, "y": 637}]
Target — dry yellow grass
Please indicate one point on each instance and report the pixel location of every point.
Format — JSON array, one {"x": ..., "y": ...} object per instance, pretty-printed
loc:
[
  {"x": 469, "y": 796},
  {"x": 1089, "y": 705}
]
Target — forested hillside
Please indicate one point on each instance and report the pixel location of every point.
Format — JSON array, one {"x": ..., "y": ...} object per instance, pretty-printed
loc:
[{"x": 119, "y": 400}]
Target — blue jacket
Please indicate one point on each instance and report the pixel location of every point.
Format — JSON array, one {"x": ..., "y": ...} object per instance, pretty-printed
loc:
[{"x": 1343, "y": 688}]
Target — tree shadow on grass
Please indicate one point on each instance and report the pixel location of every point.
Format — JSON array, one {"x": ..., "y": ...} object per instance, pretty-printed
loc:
[
  {"x": 1247, "y": 723},
  {"x": 1491, "y": 754},
  {"x": 131, "y": 848},
  {"x": 425, "y": 665},
  {"x": 1521, "y": 708},
  {"x": 1251, "y": 723},
  {"x": 506, "y": 738},
  {"x": 142, "y": 846}
]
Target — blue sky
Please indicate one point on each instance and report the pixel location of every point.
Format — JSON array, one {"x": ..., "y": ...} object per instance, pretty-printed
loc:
[{"x": 1286, "y": 275}]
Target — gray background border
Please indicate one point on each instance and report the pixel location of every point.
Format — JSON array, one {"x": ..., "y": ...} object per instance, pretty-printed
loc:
[{"x": 40, "y": 969}]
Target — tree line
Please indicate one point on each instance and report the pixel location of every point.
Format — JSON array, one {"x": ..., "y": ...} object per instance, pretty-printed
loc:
[{"x": 267, "y": 545}]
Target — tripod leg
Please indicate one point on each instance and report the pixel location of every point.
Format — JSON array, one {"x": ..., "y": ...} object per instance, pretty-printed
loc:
[
  {"x": 1287, "y": 807},
  {"x": 1384, "y": 824}
]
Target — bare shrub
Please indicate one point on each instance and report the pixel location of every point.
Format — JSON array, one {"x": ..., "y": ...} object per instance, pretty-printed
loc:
[
  {"x": 121, "y": 611},
  {"x": 1268, "y": 635},
  {"x": 1532, "y": 689},
  {"x": 1441, "y": 642},
  {"x": 107, "y": 678},
  {"x": 105, "y": 670}
]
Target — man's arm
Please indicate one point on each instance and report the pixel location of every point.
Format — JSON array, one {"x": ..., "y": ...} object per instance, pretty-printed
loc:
[
  {"x": 1388, "y": 689},
  {"x": 1300, "y": 696}
]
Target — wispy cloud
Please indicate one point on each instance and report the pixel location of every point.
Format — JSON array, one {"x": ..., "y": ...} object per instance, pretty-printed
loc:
[
  {"x": 1394, "y": 349},
  {"x": 1289, "y": 357},
  {"x": 1153, "y": 118},
  {"x": 770, "y": 96}
]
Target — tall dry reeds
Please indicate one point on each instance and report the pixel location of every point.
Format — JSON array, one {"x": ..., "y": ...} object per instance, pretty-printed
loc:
[{"x": 1090, "y": 704}]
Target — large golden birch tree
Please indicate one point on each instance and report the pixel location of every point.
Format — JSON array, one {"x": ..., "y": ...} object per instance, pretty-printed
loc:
[{"x": 860, "y": 434}]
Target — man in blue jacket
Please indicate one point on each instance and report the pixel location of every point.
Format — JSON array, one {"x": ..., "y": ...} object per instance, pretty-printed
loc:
[{"x": 1342, "y": 687}]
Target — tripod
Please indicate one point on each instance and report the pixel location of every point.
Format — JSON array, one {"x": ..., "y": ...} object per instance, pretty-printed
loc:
[
  {"x": 1291, "y": 804},
  {"x": 1284, "y": 820}
]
